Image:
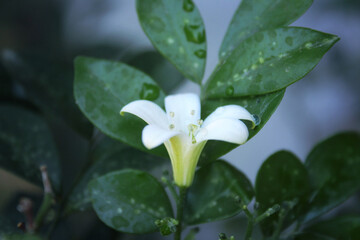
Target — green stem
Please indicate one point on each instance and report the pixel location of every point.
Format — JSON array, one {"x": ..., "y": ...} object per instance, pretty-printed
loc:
[
  {"x": 250, "y": 225},
  {"x": 180, "y": 210},
  {"x": 171, "y": 187},
  {"x": 44, "y": 209},
  {"x": 277, "y": 231}
]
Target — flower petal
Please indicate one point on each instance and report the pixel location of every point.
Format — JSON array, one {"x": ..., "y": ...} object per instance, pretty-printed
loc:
[
  {"x": 153, "y": 136},
  {"x": 224, "y": 129},
  {"x": 148, "y": 111},
  {"x": 182, "y": 110},
  {"x": 228, "y": 111}
]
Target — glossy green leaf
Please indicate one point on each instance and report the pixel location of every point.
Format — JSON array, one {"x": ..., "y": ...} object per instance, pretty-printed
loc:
[
  {"x": 26, "y": 144},
  {"x": 282, "y": 179},
  {"x": 253, "y": 16},
  {"x": 163, "y": 72},
  {"x": 176, "y": 29},
  {"x": 334, "y": 167},
  {"x": 268, "y": 61},
  {"x": 107, "y": 156},
  {"x": 346, "y": 227},
  {"x": 130, "y": 201},
  {"x": 214, "y": 192},
  {"x": 103, "y": 87},
  {"x": 263, "y": 106}
]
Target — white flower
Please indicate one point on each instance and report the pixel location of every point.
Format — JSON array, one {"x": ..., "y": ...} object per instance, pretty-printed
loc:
[{"x": 183, "y": 132}]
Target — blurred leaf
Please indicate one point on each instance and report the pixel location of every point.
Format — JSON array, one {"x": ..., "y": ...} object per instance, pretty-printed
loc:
[
  {"x": 130, "y": 201},
  {"x": 26, "y": 144},
  {"x": 176, "y": 29},
  {"x": 6, "y": 85},
  {"x": 158, "y": 68},
  {"x": 256, "y": 15},
  {"x": 311, "y": 236},
  {"x": 282, "y": 179},
  {"x": 20, "y": 237},
  {"x": 7, "y": 227},
  {"x": 107, "y": 156},
  {"x": 213, "y": 195},
  {"x": 38, "y": 29},
  {"x": 268, "y": 61},
  {"x": 334, "y": 167},
  {"x": 103, "y": 87},
  {"x": 49, "y": 85},
  {"x": 345, "y": 227},
  {"x": 262, "y": 105}
]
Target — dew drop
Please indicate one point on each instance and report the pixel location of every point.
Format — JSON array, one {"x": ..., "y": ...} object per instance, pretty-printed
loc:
[
  {"x": 257, "y": 119},
  {"x": 261, "y": 60},
  {"x": 170, "y": 40},
  {"x": 308, "y": 45},
  {"x": 229, "y": 91},
  {"x": 200, "y": 53},
  {"x": 272, "y": 33},
  {"x": 194, "y": 33},
  {"x": 188, "y": 5},
  {"x": 119, "y": 210},
  {"x": 196, "y": 65},
  {"x": 289, "y": 41},
  {"x": 253, "y": 67},
  {"x": 157, "y": 24},
  {"x": 149, "y": 92},
  {"x": 274, "y": 43}
]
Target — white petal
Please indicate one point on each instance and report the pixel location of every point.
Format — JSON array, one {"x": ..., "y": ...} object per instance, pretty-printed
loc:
[
  {"x": 153, "y": 136},
  {"x": 229, "y": 111},
  {"x": 224, "y": 129},
  {"x": 182, "y": 110},
  {"x": 148, "y": 111}
]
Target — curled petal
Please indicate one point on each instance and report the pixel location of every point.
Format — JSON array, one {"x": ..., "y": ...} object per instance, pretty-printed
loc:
[
  {"x": 148, "y": 111},
  {"x": 229, "y": 111},
  {"x": 224, "y": 129},
  {"x": 182, "y": 110},
  {"x": 153, "y": 136}
]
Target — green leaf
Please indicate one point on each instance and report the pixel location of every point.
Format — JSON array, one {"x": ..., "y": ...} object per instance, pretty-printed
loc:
[
  {"x": 268, "y": 61},
  {"x": 282, "y": 179},
  {"x": 334, "y": 167},
  {"x": 152, "y": 63},
  {"x": 103, "y": 87},
  {"x": 256, "y": 15},
  {"x": 345, "y": 227},
  {"x": 214, "y": 192},
  {"x": 312, "y": 236},
  {"x": 26, "y": 144},
  {"x": 263, "y": 106},
  {"x": 130, "y": 201},
  {"x": 177, "y": 31},
  {"x": 107, "y": 156}
]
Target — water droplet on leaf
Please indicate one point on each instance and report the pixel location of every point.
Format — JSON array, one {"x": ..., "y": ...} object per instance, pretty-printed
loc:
[
  {"x": 200, "y": 53},
  {"x": 257, "y": 119},
  {"x": 194, "y": 33},
  {"x": 149, "y": 92},
  {"x": 188, "y": 5},
  {"x": 229, "y": 91}
]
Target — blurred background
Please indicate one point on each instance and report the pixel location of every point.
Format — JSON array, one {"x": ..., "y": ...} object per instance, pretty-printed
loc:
[{"x": 40, "y": 38}]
